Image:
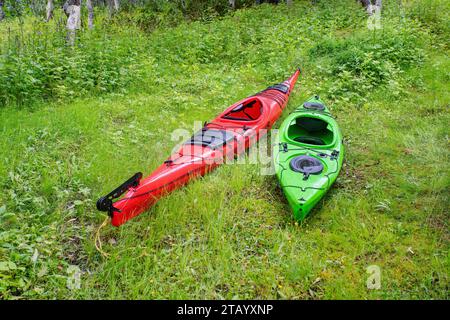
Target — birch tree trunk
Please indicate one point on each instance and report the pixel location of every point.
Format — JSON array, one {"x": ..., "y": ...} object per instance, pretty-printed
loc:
[
  {"x": 372, "y": 8},
  {"x": 90, "y": 9},
  {"x": 113, "y": 6},
  {"x": 116, "y": 5},
  {"x": 379, "y": 4},
  {"x": 49, "y": 9},
  {"x": 72, "y": 10},
  {"x": 2, "y": 14},
  {"x": 183, "y": 6},
  {"x": 365, "y": 3},
  {"x": 110, "y": 7}
]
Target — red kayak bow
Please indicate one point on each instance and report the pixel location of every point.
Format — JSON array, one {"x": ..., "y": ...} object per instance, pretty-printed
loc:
[{"x": 229, "y": 135}]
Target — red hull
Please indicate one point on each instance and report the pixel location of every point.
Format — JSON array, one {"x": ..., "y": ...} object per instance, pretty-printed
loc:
[{"x": 227, "y": 136}]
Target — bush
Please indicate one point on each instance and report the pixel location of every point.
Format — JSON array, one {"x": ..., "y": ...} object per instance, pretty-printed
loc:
[
  {"x": 155, "y": 13},
  {"x": 38, "y": 68},
  {"x": 360, "y": 64},
  {"x": 433, "y": 14}
]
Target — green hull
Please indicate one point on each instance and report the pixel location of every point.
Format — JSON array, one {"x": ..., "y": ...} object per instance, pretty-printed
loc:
[{"x": 308, "y": 140}]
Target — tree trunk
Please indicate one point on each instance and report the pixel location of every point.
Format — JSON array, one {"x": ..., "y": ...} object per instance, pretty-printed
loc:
[
  {"x": 49, "y": 9},
  {"x": 110, "y": 7},
  {"x": 2, "y": 14},
  {"x": 379, "y": 4},
  {"x": 116, "y": 5},
  {"x": 72, "y": 10},
  {"x": 65, "y": 7},
  {"x": 374, "y": 8},
  {"x": 365, "y": 3},
  {"x": 90, "y": 9},
  {"x": 183, "y": 6},
  {"x": 113, "y": 6}
]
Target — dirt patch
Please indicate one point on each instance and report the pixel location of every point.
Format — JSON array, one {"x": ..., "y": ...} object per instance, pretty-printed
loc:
[
  {"x": 439, "y": 223},
  {"x": 72, "y": 236}
]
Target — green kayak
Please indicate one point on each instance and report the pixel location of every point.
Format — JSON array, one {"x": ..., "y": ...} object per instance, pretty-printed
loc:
[{"x": 308, "y": 155}]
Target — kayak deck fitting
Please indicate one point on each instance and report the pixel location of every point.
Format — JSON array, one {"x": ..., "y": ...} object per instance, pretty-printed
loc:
[
  {"x": 225, "y": 137},
  {"x": 308, "y": 155}
]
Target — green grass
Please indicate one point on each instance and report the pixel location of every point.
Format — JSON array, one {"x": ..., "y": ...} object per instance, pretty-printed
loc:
[{"x": 230, "y": 234}]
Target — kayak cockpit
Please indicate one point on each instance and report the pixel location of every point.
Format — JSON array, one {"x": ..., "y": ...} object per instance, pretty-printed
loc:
[
  {"x": 310, "y": 130},
  {"x": 249, "y": 110}
]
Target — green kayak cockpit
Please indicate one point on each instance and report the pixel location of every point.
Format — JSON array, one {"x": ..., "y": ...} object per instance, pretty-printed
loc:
[{"x": 311, "y": 130}]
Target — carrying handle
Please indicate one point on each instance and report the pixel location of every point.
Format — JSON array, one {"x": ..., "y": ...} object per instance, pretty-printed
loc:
[{"x": 105, "y": 203}]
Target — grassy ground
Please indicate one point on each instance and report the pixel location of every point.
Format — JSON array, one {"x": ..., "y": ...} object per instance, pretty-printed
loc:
[{"x": 230, "y": 234}]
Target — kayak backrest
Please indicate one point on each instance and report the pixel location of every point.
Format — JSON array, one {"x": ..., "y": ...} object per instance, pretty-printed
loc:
[
  {"x": 311, "y": 124},
  {"x": 249, "y": 110},
  {"x": 311, "y": 130}
]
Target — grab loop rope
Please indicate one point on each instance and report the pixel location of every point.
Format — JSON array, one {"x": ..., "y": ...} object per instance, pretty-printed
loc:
[{"x": 98, "y": 241}]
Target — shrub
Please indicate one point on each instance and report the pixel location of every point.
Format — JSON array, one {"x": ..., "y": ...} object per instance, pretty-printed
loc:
[
  {"x": 433, "y": 14},
  {"x": 36, "y": 68},
  {"x": 361, "y": 63}
]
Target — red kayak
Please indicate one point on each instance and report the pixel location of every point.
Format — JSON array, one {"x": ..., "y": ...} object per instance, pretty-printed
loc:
[{"x": 229, "y": 135}]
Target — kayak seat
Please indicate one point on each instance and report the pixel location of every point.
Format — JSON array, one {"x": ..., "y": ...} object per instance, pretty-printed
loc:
[
  {"x": 211, "y": 138},
  {"x": 247, "y": 111},
  {"x": 310, "y": 130},
  {"x": 310, "y": 140}
]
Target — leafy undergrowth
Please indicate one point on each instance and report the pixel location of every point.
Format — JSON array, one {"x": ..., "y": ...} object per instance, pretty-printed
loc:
[
  {"x": 36, "y": 64},
  {"x": 230, "y": 234}
]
